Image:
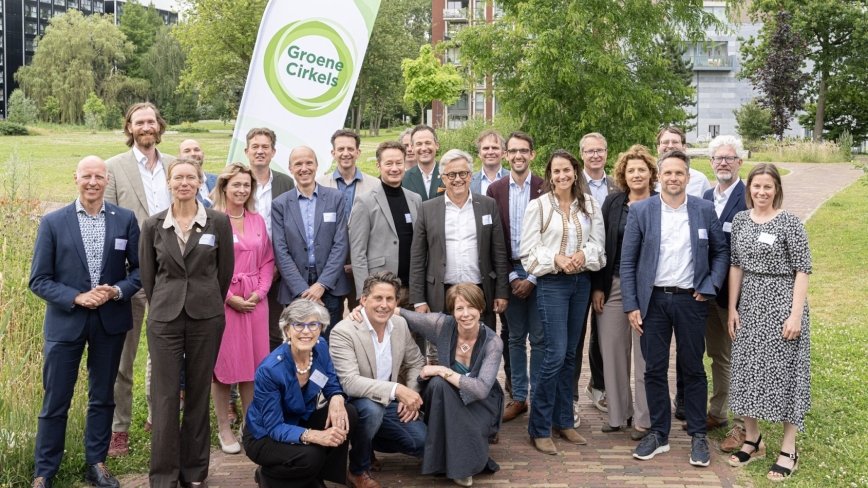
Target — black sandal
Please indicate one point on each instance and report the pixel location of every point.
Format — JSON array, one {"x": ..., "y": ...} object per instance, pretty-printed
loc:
[
  {"x": 608, "y": 429},
  {"x": 745, "y": 458},
  {"x": 782, "y": 471}
]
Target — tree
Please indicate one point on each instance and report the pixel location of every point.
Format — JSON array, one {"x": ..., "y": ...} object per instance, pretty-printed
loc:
[
  {"x": 675, "y": 51},
  {"x": 835, "y": 33},
  {"x": 162, "y": 66},
  {"x": 776, "y": 71},
  {"x": 753, "y": 122},
  {"x": 76, "y": 56},
  {"x": 427, "y": 80},
  {"x": 218, "y": 36},
  {"x": 50, "y": 109},
  {"x": 140, "y": 25},
  {"x": 94, "y": 112},
  {"x": 22, "y": 110},
  {"x": 565, "y": 68}
]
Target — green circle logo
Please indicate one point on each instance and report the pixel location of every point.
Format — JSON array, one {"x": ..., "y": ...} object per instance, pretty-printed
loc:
[{"x": 290, "y": 65}]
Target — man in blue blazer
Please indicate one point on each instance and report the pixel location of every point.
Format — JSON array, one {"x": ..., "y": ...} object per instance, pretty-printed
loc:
[
  {"x": 311, "y": 242},
  {"x": 86, "y": 268},
  {"x": 674, "y": 258},
  {"x": 191, "y": 149}
]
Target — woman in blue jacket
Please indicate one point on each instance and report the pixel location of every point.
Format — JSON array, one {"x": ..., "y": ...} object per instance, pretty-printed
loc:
[{"x": 297, "y": 428}]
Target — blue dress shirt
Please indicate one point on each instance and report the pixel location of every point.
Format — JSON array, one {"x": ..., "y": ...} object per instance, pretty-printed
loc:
[
  {"x": 307, "y": 206},
  {"x": 349, "y": 191}
]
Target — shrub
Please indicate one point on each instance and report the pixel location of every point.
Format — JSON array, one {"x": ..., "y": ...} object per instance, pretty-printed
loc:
[
  {"x": 753, "y": 122},
  {"x": 845, "y": 145},
  {"x": 188, "y": 128},
  {"x": 50, "y": 109},
  {"x": 94, "y": 112},
  {"x": 12, "y": 129},
  {"x": 114, "y": 118},
  {"x": 22, "y": 110},
  {"x": 800, "y": 151}
]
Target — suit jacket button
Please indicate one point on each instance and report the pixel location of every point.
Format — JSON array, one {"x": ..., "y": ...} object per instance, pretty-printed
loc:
[{"x": 395, "y": 242}]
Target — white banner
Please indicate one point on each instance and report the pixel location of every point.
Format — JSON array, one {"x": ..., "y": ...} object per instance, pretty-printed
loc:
[{"x": 306, "y": 62}]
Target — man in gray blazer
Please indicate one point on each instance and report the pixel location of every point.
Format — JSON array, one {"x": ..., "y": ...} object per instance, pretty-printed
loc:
[
  {"x": 491, "y": 148},
  {"x": 674, "y": 259},
  {"x": 310, "y": 239},
  {"x": 371, "y": 359},
  {"x": 458, "y": 238},
  {"x": 424, "y": 178},
  {"x": 137, "y": 182}
]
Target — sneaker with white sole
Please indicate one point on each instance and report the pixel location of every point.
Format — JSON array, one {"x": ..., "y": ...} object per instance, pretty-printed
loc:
[
  {"x": 598, "y": 398},
  {"x": 652, "y": 445},
  {"x": 699, "y": 455}
]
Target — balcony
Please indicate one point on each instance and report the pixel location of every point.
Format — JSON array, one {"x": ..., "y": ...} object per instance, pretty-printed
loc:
[
  {"x": 455, "y": 15},
  {"x": 712, "y": 63}
]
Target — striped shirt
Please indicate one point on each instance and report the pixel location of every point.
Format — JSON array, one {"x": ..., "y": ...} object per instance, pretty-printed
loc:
[{"x": 518, "y": 199}]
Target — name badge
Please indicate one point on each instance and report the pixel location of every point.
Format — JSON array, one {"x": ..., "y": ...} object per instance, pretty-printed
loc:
[
  {"x": 207, "y": 239},
  {"x": 727, "y": 227},
  {"x": 409, "y": 218},
  {"x": 319, "y": 379},
  {"x": 486, "y": 219},
  {"x": 121, "y": 244},
  {"x": 766, "y": 238},
  {"x": 234, "y": 239},
  {"x": 329, "y": 217},
  {"x": 703, "y": 234}
]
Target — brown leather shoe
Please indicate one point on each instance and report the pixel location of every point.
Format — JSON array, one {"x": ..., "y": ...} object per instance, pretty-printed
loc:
[
  {"x": 376, "y": 465},
  {"x": 734, "y": 439},
  {"x": 710, "y": 424},
  {"x": 364, "y": 480},
  {"x": 569, "y": 435},
  {"x": 544, "y": 445},
  {"x": 148, "y": 426},
  {"x": 514, "y": 409},
  {"x": 120, "y": 444}
]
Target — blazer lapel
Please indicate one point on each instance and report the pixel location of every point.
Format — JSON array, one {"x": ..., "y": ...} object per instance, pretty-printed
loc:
[
  {"x": 318, "y": 213},
  {"x": 397, "y": 352},
  {"x": 655, "y": 231},
  {"x": 195, "y": 233},
  {"x": 75, "y": 231},
  {"x": 736, "y": 196},
  {"x": 170, "y": 240},
  {"x": 109, "y": 235},
  {"x": 694, "y": 221},
  {"x": 368, "y": 346},
  {"x": 295, "y": 212},
  {"x": 135, "y": 177},
  {"x": 383, "y": 203},
  {"x": 435, "y": 181},
  {"x": 477, "y": 217}
]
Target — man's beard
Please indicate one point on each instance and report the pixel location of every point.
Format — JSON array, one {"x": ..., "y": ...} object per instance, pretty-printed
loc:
[
  {"x": 725, "y": 178},
  {"x": 145, "y": 140}
]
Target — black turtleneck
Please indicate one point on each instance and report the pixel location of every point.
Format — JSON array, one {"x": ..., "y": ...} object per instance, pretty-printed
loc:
[{"x": 400, "y": 215}]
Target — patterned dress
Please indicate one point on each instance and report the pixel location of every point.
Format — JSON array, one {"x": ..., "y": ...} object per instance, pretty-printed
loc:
[{"x": 771, "y": 376}]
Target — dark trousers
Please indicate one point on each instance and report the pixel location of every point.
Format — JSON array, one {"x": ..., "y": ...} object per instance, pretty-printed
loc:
[
  {"x": 334, "y": 304},
  {"x": 298, "y": 465},
  {"x": 59, "y": 374},
  {"x": 180, "y": 450},
  {"x": 275, "y": 337},
  {"x": 685, "y": 316},
  {"x": 504, "y": 336},
  {"x": 595, "y": 358},
  {"x": 381, "y": 430}
]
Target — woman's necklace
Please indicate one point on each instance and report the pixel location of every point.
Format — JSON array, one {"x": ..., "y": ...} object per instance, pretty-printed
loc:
[
  {"x": 237, "y": 216},
  {"x": 305, "y": 371},
  {"x": 465, "y": 346}
]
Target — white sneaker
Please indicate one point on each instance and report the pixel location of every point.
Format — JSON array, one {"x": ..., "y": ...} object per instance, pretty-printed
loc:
[
  {"x": 468, "y": 481},
  {"x": 597, "y": 397},
  {"x": 576, "y": 420}
]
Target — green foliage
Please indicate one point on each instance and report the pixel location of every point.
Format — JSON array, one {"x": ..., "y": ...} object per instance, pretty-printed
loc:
[
  {"x": 77, "y": 56},
  {"x": 114, "y": 118},
  {"x": 464, "y": 138},
  {"x": 50, "y": 109},
  {"x": 674, "y": 50},
  {"x": 218, "y": 36},
  {"x": 752, "y": 122},
  {"x": 426, "y": 79},
  {"x": 188, "y": 128},
  {"x": 798, "y": 150},
  {"x": 845, "y": 144},
  {"x": 11, "y": 129},
  {"x": 162, "y": 66},
  {"x": 567, "y": 67},
  {"x": 140, "y": 25},
  {"x": 94, "y": 112},
  {"x": 22, "y": 110}
]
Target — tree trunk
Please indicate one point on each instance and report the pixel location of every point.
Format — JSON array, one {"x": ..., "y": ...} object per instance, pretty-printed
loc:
[
  {"x": 821, "y": 108},
  {"x": 352, "y": 116},
  {"x": 362, "y": 101}
]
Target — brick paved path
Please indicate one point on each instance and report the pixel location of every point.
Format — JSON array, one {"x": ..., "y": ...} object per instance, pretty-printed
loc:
[{"x": 606, "y": 460}]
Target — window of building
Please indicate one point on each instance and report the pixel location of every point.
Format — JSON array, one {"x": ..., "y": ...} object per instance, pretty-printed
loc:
[
  {"x": 462, "y": 103},
  {"x": 30, "y": 11},
  {"x": 98, "y": 7},
  {"x": 44, "y": 13},
  {"x": 713, "y": 131},
  {"x": 480, "y": 103},
  {"x": 719, "y": 12},
  {"x": 30, "y": 45},
  {"x": 30, "y": 28},
  {"x": 45, "y": 1},
  {"x": 72, "y": 3},
  {"x": 61, "y": 3},
  {"x": 85, "y": 4}
]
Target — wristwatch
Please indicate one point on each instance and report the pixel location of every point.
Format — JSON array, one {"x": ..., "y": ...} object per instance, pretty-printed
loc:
[
  {"x": 448, "y": 373},
  {"x": 120, "y": 293}
]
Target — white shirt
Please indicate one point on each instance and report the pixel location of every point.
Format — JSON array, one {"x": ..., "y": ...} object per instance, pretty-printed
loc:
[
  {"x": 156, "y": 187},
  {"x": 697, "y": 186},
  {"x": 599, "y": 189},
  {"x": 263, "y": 201},
  {"x": 462, "y": 255},
  {"x": 426, "y": 178},
  {"x": 675, "y": 262},
  {"x": 383, "y": 352},
  {"x": 720, "y": 199}
]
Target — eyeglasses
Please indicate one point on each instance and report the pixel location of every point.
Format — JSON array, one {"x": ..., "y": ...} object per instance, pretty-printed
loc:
[
  {"x": 523, "y": 150},
  {"x": 721, "y": 159},
  {"x": 669, "y": 143},
  {"x": 460, "y": 174},
  {"x": 594, "y": 152},
  {"x": 311, "y": 326}
]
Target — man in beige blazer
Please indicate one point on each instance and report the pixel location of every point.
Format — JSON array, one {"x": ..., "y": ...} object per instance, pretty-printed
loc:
[
  {"x": 137, "y": 182},
  {"x": 371, "y": 358}
]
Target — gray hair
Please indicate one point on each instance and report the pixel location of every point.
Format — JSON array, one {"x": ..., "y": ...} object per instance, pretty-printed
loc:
[
  {"x": 407, "y": 132},
  {"x": 453, "y": 155},
  {"x": 595, "y": 135},
  {"x": 299, "y": 311},
  {"x": 674, "y": 154},
  {"x": 725, "y": 140}
]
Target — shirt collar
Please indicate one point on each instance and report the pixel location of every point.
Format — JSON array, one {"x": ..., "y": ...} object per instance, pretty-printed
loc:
[
  {"x": 500, "y": 174},
  {"x": 450, "y": 202},
  {"x": 595, "y": 182},
  {"x": 725, "y": 194},
  {"x": 201, "y": 217},
  {"x": 357, "y": 177},
  {"x": 80, "y": 208},
  {"x": 270, "y": 179},
  {"x": 389, "y": 325},
  {"x": 513, "y": 182},
  {"x": 142, "y": 159},
  {"x": 667, "y": 208},
  {"x": 313, "y": 195}
]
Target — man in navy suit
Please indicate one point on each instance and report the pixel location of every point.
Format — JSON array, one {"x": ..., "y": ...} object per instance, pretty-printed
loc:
[
  {"x": 311, "y": 242},
  {"x": 86, "y": 268},
  {"x": 674, "y": 258}
]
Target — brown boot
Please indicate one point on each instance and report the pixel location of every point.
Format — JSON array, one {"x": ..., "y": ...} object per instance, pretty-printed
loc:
[
  {"x": 544, "y": 445},
  {"x": 569, "y": 435},
  {"x": 514, "y": 409},
  {"x": 376, "y": 465},
  {"x": 734, "y": 439},
  {"x": 364, "y": 480}
]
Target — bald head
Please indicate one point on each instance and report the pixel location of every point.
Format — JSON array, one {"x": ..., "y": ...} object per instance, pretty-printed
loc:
[
  {"x": 91, "y": 178},
  {"x": 191, "y": 149},
  {"x": 91, "y": 163},
  {"x": 303, "y": 165}
]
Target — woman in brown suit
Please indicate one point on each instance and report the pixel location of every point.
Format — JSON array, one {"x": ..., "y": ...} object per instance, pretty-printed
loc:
[{"x": 187, "y": 260}]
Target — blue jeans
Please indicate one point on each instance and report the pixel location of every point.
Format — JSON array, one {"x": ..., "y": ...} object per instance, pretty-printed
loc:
[
  {"x": 524, "y": 322},
  {"x": 380, "y": 429},
  {"x": 686, "y": 316},
  {"x": 562, "y": 299}
]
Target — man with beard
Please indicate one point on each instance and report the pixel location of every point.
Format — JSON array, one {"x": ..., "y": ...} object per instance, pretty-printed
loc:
[
  {"x": 350, "y": 180},
  {"x": 424, "y": 179},
  {"x": 406, "y": 140},
  {"x": 137, "y": 181},
  {"x": 191, "y": 149}
]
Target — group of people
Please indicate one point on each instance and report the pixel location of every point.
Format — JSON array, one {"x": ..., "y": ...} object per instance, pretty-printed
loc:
[{"x": 245, "y": 276}]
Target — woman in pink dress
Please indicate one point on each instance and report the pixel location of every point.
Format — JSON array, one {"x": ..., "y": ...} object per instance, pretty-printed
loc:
[{"x": 245, "y": 340}]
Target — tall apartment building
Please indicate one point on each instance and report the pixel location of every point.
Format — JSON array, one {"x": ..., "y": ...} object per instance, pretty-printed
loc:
[{"x": 23, "y": 22}]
